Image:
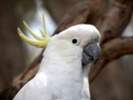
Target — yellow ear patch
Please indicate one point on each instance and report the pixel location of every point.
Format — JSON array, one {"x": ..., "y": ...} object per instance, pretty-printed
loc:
[{"x": 42, "y": 41}]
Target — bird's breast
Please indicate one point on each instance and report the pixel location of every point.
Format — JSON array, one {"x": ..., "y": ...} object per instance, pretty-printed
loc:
[{"x": 65, "y": 78}]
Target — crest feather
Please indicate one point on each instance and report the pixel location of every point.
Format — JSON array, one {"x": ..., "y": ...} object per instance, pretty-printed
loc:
[{"x": 42, "y": 41}]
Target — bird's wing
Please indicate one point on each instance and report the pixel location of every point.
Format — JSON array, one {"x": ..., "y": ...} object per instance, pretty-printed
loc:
[{"x": 36, "y": 89}]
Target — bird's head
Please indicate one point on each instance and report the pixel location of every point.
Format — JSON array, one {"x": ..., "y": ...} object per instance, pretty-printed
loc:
[{"x": 83, "y": 36}]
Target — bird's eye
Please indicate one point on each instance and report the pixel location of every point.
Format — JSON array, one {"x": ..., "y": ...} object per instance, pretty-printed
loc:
[{"x": 75, "y": 40}]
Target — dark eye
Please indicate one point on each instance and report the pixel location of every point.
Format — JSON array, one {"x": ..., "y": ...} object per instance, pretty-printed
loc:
[{"x": 75, "y": 40}]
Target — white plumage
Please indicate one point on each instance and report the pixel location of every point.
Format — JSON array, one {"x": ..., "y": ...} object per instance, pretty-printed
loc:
[{"x": 61, "y": 75}]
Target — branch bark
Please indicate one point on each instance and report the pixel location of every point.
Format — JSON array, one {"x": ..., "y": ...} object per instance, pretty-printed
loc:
[
  {"x": 111, "y": 50},
  {"x": 112, "y": 26},
  {"x": 116, "y": 19},
  {"x": 77, "y": 15},
  {"x": 83, "y": 12}
]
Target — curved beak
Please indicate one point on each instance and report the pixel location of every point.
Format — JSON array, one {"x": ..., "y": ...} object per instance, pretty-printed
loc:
[{"x": 91, "y": 53}]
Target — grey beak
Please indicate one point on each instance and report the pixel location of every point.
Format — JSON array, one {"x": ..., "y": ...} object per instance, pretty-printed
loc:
[{"x": 91, "y": 53}]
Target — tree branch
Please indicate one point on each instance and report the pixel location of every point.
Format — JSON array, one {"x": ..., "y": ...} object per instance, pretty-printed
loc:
[
  {"x": 111, "y": 50},
  {"x": 112, "y": 26},
  {"x": 77, "y": 15},
  {"x": 116, "y": 19},
  {"x": 83, "y": 12}
]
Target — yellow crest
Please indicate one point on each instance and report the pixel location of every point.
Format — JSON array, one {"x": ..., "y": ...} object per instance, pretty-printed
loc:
[{"x": 42, "y": 41}]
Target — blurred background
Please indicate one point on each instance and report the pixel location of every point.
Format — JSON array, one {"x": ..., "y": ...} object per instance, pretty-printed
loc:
[{"x": 115, "y": 82}]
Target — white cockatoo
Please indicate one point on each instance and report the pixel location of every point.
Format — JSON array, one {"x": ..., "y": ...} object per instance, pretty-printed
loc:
[{"x": 61, "y": 75}]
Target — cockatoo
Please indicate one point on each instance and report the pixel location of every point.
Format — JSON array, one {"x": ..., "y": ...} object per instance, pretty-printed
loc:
[{"x": 61, "y": 75}]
